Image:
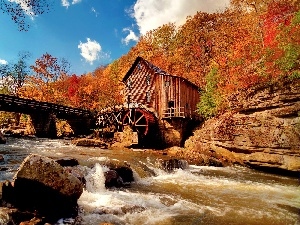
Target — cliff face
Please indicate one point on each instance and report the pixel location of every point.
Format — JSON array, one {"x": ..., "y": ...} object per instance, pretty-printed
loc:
[{"x": 262, "y": 130}]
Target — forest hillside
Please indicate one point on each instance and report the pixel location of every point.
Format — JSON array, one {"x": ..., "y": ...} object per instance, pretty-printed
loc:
[{"x": 253, "y": 43}]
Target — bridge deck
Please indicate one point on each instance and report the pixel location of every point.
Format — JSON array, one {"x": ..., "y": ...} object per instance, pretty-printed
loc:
[{"x": 27, "y": 106}]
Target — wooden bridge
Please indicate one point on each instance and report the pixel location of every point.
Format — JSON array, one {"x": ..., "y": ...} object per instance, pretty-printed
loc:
[
  {"x": 27, "y": 106},
  {"x": 43, "y": 115}
]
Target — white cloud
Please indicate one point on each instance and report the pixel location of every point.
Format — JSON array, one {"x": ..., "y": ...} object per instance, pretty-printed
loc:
[
  {"x": 3, "y": 62},
  {"x": 25, "y": 7},
  {"x": 130, "y": 37},
  {"x": 90, "y": 50},
  {"x": 150, "y": 14},
  {"x": 95, "y": 11},
  {"x": 75, "y": 2},
  {"x": 66, "y": 3}
]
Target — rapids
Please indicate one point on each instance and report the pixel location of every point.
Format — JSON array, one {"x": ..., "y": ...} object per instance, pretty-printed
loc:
[{"x": 196, "y": 195}]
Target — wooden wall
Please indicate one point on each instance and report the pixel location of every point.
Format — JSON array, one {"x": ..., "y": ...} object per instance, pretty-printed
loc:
[{"x": 184, "y": 95}]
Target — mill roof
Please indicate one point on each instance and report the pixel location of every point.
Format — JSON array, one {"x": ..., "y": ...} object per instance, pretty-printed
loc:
[{"x": 154, "y": 68}]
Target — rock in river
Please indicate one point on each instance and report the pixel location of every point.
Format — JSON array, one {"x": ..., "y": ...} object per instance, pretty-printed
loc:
[
  {"x": 42, "y": 185},
  {"x": 2, "y": 138},
  {"x": 170, "y": 165},
  {"x": 87, "y": 142}
]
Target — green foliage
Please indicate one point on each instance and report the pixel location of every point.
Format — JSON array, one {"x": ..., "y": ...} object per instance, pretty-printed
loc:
[
  {"x": 289, "y": 62},
  {"x": 210, "y": 98},
  {"x": 295, "y": 75},
  {"x": 296, "y": 18},
  {"x": 290, "y": 59}
]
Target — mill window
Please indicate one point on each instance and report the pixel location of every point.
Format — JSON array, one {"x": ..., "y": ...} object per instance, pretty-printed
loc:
[
  {"x": 167, "y": 83},
  {"x": 129, "y": 84},
  {"x": 148, "y": 96},
  {"x": 148, "y": 78}
]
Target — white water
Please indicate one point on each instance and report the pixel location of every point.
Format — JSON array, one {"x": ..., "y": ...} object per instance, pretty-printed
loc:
[
  {"x": 197, "y": 195},
  {"x": 197, "y": 199}
]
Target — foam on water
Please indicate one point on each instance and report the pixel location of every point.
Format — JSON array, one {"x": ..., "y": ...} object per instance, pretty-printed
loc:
[
  {"x": 95, "y": 179},
  {"x": 128, "y": 207},
  {"x": 133, "y": 208},
  {"x": 150, "y": 206},
  {"x": 98, "y": 159},
  {"x": 278, "y": 193}
]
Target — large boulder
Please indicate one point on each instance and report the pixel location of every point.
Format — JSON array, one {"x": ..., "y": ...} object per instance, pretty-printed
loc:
[
  {"x": 113, "y": 179},
  {"x": 44, "y": 186},
  {"x": 119, "y": 174}
]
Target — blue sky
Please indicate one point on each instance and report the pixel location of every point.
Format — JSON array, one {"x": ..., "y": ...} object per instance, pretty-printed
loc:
[{"x": 91, "y": 33}]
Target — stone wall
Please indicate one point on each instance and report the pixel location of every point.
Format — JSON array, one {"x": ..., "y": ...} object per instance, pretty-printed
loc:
[{"x": 175, "y": 131}]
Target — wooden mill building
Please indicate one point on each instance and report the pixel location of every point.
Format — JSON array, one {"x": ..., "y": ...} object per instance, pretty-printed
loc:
[
  {"x": 159, "y": 107},
  {"x": 166, "y": 95},
  {"x": 160, "y": 100}
]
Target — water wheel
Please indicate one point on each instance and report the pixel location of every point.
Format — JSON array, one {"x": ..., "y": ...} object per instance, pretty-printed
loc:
[
  {"x": 139, "y": 120},
  {"x": 116, "y": 118},
  {"x": 111, "y": 120}
]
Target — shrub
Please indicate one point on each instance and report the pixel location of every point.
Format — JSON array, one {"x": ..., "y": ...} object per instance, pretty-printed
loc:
[{"x": 210, "y": 98}]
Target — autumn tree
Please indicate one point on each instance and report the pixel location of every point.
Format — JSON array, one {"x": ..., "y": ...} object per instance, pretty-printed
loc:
[
  {"x": 281, "y": 38},
  {"x": 238, "y": 50},
  {"x": 194, "y": 44},
  {"x": 73, "y": 87},
  {"x": 13, "y": 78},
  {"x": 112, "y": 77},
  {"x": 157, "y": 46},
  {"x": 41, "y": 85},
  {"x": 14, "y": 74}
]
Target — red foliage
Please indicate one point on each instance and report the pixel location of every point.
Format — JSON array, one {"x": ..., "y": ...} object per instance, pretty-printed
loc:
[
  {"x": 278, "y": 13},
  {"x": 73, "y": 85}
]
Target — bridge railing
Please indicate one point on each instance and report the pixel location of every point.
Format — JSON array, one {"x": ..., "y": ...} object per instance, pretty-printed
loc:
[
  {"x": 13, "y": 103},
  {"x": 174, "y": 112}
]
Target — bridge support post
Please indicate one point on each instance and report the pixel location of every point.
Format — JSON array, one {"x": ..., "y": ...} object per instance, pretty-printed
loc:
[
  {"x": 82, "y": 126},
  {"x": 44, "y": 124}
]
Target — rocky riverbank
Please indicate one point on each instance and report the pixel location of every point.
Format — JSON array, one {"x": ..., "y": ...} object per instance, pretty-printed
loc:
[{"x": 261, "y": 131}]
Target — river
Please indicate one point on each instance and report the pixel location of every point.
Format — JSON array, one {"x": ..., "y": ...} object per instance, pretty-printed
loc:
[{"x": 196, "y": 195}]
